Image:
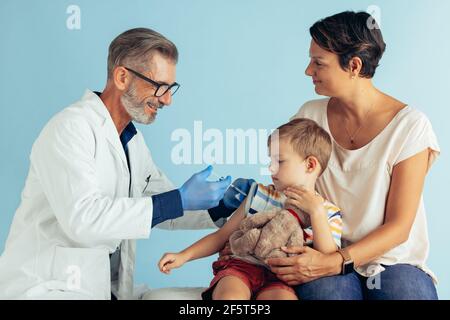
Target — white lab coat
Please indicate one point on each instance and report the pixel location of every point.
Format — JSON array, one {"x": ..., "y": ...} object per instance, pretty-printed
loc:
[{"x": 76, "y": 208}]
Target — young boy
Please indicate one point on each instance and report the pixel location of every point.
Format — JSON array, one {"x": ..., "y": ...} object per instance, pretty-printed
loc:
[{"x": 299, "y": 154}]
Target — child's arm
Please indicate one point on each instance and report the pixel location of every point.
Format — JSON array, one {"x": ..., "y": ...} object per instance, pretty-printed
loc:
[
  {"x": 206, "y": 246},
  {"x": 323, "y": 239},
  {"x": 312, "y": 204}
]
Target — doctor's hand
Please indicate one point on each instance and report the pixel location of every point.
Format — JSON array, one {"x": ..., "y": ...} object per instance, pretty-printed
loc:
[
  {"x": 232, "y": 198},
  {"x": 171, "y": 261},
  {"x": 199, "y": 194},
  {"x": 231, "y": 201}
]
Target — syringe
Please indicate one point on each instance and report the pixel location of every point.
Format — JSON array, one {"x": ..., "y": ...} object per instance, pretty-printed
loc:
[{"x": 231, "y": 184}]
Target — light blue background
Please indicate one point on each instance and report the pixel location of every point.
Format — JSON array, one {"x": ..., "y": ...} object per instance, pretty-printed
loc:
[{"x": 241, "y": 66}]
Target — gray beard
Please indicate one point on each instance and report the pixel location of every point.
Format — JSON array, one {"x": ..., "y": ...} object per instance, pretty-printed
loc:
[{"x": 134, "y": 107}]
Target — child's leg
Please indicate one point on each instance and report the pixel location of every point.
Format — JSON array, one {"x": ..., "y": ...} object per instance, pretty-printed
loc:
[
  {"x": 231, "y": 288},
  {"x": 276, "y": 294}
]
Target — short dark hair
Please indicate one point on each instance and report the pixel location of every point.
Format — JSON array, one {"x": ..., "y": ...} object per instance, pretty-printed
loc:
[{"x": 351, "y": 34}]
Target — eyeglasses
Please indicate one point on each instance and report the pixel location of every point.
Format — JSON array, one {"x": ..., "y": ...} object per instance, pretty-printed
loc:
[{"x": 161, "y": 88}]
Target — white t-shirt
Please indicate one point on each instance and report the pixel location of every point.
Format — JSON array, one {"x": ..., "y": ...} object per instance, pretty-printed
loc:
[{"x": 358, "y": 182}]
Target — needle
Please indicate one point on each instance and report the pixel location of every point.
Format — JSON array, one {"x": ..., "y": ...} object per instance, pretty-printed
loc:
[{"x": 231, "y": 184}]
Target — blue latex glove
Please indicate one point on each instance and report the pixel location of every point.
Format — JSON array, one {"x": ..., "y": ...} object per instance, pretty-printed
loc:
[
  {"x": 232, "y": 198},
  {"x": 199, "y": 194}
]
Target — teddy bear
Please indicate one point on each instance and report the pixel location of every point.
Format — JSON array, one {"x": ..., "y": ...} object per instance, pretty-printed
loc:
[
  {"x": 267, "y": 227},
  {"x": 263, "y": 234}
]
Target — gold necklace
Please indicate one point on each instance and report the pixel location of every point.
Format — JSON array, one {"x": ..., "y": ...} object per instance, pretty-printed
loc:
[{"x": 353, "y": 136}]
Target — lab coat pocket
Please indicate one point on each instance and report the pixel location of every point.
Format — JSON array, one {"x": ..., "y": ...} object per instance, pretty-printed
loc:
[
  {"x": 144, "y": 186},
  {"x": 83, "y": 270}
]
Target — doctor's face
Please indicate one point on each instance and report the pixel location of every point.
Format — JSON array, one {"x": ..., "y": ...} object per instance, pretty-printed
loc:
[{"x": 139, "y": 99}]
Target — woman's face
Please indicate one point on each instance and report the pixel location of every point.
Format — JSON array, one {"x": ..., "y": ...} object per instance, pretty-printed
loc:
[{"x": 328, "y": 77}]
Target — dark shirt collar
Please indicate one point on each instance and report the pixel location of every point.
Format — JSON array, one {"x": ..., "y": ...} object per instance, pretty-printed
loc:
[{"x": 128, "y": 133}]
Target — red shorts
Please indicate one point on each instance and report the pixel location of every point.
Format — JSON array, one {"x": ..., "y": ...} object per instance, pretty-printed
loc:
[{"x": 257, "y": 278}]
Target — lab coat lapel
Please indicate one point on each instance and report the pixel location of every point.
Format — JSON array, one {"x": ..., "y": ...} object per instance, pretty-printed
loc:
[
  {"x": 113, "y": 138},
  {"x": 127, "y": 247},
  {"x": 109, "y": 128}
]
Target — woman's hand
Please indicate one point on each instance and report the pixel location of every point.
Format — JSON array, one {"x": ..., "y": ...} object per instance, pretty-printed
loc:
[
  {"x": 305, "y": 200},
  {"x": 309, "y": 265},
  {"x": 171, "y": 261}
]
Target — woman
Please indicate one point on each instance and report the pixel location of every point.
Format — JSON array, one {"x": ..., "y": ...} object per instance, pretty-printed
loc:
[{"x": 382, "y": 151}]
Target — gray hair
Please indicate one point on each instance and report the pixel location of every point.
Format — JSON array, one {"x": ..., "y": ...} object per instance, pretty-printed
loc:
[{"x": 135, "y": 47}]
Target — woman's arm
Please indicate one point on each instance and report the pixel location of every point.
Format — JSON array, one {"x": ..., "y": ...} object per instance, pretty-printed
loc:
[
  {"x": 403, "y": 200},
  {"x": 406, "y": 187}
]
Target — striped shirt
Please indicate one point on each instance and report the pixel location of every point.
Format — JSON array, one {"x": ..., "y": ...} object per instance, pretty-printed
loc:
[
  {"x": 266, "y": 198},
  {"x": 334, "y": 221}
]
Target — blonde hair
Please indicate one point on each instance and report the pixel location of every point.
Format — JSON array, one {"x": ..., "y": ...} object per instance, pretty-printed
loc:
[{"x": 307, "y": 138}]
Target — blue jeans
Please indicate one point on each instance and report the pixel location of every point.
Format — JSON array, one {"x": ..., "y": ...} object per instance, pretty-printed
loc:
[{"x": 397, "y": 282}]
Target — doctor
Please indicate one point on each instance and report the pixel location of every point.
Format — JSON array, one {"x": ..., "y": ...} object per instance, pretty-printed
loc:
[{"x": 93, "y": 188}]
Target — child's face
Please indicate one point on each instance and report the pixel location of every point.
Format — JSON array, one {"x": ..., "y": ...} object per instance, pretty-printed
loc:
[{"x": 286, "y": 166}]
